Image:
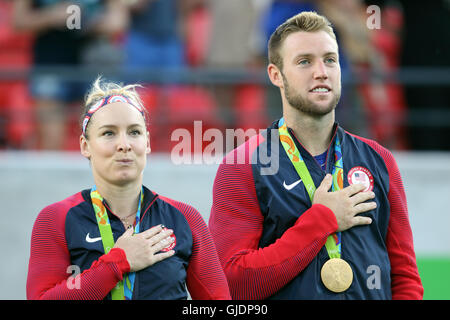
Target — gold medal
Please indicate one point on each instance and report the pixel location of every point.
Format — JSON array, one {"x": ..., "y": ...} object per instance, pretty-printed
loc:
[{"x": 337, "y": 275}]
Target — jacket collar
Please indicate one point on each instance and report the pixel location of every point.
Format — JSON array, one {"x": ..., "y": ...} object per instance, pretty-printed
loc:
[{"x": 149, "y": 198}]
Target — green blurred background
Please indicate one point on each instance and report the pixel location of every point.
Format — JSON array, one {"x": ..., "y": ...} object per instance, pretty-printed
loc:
[{"x": 435, "y": 274}]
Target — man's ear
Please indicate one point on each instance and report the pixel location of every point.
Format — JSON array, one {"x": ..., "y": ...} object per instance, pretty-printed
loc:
[
  {"x": 275, "y": 75},
  {"x": 84, "y": 147}
]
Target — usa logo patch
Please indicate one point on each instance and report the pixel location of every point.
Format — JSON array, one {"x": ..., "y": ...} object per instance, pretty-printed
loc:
[
  {"x": 172, "y": 245},
  {"x": 361, "y": 175}
]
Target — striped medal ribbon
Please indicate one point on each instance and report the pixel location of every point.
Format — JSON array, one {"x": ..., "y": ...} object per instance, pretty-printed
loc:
[
  {"x": 336, "y": 273},
  {"x": 124, "y": 288}
]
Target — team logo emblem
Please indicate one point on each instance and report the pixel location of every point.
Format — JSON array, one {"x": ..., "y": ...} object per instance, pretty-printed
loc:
[
  {"x": 361, "y": 175},
  {"x": 172, "y": 245}
]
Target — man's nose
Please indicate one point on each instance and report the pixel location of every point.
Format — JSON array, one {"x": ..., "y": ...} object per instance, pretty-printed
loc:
[{"x": 320, "y": 70}]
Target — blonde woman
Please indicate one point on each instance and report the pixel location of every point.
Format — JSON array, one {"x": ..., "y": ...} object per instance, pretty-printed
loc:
[{"x": 126, "y": 241}]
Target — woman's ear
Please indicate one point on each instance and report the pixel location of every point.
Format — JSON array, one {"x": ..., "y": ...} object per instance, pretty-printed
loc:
[
  {"x": 148, "y": 149},
  {"x": 84, "y": 147}
]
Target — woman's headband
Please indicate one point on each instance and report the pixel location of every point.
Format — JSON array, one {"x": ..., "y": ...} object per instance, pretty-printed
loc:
[{"x": 107, "y": 100}]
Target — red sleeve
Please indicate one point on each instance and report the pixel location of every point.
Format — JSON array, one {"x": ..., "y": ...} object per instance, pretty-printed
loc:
[
  {"x": 405, "y": 279},
  {"x": 236, "y": 225},
  {"x": 205, "y": 278},
  {"x": 48, "y": 273}
]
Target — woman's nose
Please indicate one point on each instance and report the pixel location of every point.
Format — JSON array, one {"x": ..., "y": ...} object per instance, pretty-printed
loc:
[{"x": 123, "y": 143}]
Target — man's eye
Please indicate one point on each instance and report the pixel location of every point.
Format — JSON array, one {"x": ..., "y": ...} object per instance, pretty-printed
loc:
[
  {"x": 303, "y": 62},
  {"x": 107, "y": 133},
  {"x": 330, "y": 60}
]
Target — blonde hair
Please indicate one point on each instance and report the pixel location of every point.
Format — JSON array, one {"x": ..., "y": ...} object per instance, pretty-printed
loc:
[
  {"x": 308, "y": 21},
  {"x": 101, "y": 89}
]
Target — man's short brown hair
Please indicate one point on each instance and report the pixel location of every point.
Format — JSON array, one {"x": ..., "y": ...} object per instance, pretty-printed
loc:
[{"x": 307, "y": 21}]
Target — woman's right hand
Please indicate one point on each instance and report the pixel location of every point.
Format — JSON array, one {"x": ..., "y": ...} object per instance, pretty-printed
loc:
[{"x": 142, "y": 249}]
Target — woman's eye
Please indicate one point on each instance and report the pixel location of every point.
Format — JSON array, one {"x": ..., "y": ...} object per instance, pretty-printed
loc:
[
  {"x": 135, "y": 132},
  {"x": 107, "y": 133}
]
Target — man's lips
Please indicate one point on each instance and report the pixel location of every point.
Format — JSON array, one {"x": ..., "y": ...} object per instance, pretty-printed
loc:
[{"x": 321, "y": 88}]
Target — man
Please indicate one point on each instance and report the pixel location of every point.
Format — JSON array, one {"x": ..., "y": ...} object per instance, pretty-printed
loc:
[{"x": 277, "y": 235}]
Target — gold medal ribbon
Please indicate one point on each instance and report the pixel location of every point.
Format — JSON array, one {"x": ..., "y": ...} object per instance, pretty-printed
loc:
[
  {"x": 123, "y": 289},
  {"x": 333, "y": 243}
]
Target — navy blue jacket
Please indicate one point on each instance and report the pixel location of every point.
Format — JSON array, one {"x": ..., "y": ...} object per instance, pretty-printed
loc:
[
  {"x": 66, "y": 238},
  {"x": 280, "y": 250}
]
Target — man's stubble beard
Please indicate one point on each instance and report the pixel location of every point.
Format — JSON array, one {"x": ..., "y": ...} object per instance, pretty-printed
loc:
[{"x": 306, "y": 106}]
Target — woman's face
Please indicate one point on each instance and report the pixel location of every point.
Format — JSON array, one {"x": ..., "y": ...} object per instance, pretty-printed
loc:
[{"x": 118, "y": 144}]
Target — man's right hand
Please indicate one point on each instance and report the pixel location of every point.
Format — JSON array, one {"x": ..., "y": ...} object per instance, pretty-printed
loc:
[{"x": 345, "y": 203}]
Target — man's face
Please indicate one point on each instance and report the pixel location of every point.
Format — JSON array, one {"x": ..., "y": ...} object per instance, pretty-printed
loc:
[{"x": 311, "y": 72}]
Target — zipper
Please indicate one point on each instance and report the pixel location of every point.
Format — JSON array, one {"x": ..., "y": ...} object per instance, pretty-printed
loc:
[
  {"x": 329, "y": 147},
  {"x": 155, "y": 196},
  {"x": 335, "y": 128}
]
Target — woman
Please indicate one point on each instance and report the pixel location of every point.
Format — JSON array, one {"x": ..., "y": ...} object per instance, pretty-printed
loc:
[{"x": 126, "y": 241}]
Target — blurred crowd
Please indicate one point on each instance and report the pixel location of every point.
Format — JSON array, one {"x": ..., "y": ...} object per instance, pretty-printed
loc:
[{"x": 41, "y": 111}]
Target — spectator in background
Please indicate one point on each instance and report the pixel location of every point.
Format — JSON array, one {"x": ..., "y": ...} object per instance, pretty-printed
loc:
[
  {"x": 373, "y": 51},
  {"x": 156, "y": 40},
  {"x": 56, "y": 45},
  {"x": 235, "y": 43},
  {"x": 155, "y": 37}
]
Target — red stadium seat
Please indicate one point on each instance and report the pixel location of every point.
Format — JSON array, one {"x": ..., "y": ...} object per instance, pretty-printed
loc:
[
  {"x": 250, "y": 107},
  {"x": 16, "y": 106},
  {"x": 186, "y": 104}
]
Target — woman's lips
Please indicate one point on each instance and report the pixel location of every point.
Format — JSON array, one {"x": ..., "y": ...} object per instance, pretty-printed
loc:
[{"x": 125, "y": 161}]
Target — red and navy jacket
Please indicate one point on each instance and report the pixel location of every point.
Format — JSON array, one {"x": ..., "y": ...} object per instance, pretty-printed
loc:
[
  {"x": 270, "y": 240},
  {"x": 66, "y": 234}
]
